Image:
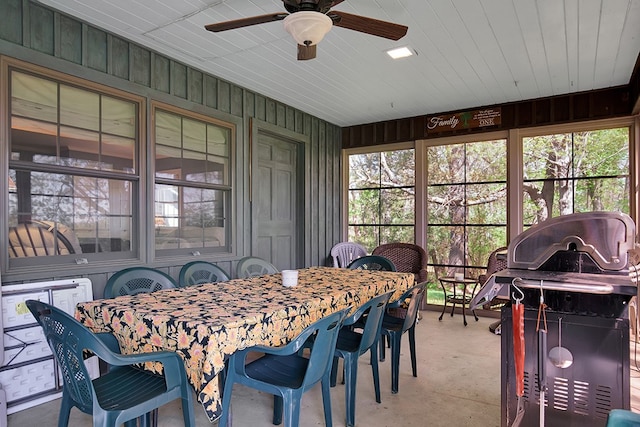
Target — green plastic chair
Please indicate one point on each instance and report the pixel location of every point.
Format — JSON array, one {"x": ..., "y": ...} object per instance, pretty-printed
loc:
[
  {"x": 137, "y": 280},
  {"x": 286, "y": 374},
  {"x": 623, "y": 418},
  {"x": 199, "y": 272},
  {"x": 372, "y": 262},
  {"x": 394, "y": 327},
  {"x": 125, "y": 392},
  {"x": 253, "y": 267},
  {"x": 352, "y": 344}
]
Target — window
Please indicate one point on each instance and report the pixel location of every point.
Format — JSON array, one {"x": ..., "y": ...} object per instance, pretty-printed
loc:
[
  {"x": 575, "y": 172},
  {"x": 73, "y": 171},
  {"x": 192, "y": 182},
  {"x": 466, "y": 204},
  {"x": 382, "y": 197}
]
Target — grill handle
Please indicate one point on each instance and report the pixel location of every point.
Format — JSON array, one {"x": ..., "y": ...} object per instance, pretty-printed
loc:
[{"x": 550, "y": 285}]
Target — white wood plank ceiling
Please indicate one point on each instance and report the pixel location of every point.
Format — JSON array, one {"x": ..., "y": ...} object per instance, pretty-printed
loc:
[{"x": 469, "y": 53}]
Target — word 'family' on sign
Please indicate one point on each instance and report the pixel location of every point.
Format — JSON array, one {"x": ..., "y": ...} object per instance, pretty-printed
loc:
[{"x": 465, "y": 120}]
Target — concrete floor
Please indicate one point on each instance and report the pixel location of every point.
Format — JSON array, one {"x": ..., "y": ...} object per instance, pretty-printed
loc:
[{"x": 458, "y": 384}]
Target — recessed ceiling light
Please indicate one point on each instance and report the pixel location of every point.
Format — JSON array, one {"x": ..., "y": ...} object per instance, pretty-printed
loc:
[{"x": 401, "y": 52}]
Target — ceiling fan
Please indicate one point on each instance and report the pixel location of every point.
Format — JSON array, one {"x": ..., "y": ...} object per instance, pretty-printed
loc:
[{"x": 308, "y": 21}]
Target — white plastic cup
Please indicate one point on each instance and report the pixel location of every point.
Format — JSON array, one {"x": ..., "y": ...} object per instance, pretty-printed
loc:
[
  {"x": 289, "y": 278},
  {"x": 459, "y": 276}
]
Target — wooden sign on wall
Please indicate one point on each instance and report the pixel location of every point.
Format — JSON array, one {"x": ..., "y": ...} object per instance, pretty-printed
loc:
[{"x": 466, "y": 120}]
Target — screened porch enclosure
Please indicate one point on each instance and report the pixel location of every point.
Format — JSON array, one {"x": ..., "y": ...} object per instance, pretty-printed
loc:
[{"x": 479, "y": 193}]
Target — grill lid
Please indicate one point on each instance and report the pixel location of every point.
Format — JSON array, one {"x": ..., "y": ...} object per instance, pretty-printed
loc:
[
  {"x": 584, "y": 253},
  {"x": 603, "y": 238}
]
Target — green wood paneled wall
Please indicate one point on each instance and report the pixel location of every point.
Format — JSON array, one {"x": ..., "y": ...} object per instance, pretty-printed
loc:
[{"x": 35, "y": 33}]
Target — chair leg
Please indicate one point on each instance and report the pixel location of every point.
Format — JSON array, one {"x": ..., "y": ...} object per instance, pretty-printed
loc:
[
  {"x": 351, "y": 374},
  {"x": 225, "y": 417},
  {"x": 278, "y": 405},
  {"x": 376, "y": 372},
  {"x": 395, "y": 360},
  {"x": 383, "y": 337},
  {"x": 444, "y": 306},
  {"x": 291, "y": 412},
  {"x": 412, "y": 349},
  {"x": 326, "y": 402},
  {"x": 187, "y": 408},
  {"x": 334, "y": 372},
  {"x": 150, "y": 419},
  {"x": 65, "y": 411}
]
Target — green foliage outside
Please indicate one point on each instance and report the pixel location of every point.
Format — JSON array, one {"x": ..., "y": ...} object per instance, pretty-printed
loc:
[
  {"x": 466, "y": 205},
  {"x": 576, "y": 172},
  {"x": 382, "y": 198},
  {"x": 467, "y": 193}
]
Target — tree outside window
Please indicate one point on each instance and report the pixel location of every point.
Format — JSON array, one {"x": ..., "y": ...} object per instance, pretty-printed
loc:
[
  {"x": 382, "y": 198},
  {"x": 466, "y": 205},
  {"x": 575, "y": 172}
]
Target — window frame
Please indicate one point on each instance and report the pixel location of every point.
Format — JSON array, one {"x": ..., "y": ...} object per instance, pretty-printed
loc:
[
  {"x": 84, "y": 260},
  {"x": 346, "y": 187},
  {"x": 518, "y": 154},
  {"x": 469, "y": 270},
  {"x": 228, "y": 189}
]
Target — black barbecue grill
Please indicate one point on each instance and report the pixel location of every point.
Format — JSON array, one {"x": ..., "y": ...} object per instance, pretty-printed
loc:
[{"x": 579, "y": 265}]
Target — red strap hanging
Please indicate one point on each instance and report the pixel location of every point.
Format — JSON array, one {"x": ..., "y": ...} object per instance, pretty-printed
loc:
[{"x": 517, "y": 311}]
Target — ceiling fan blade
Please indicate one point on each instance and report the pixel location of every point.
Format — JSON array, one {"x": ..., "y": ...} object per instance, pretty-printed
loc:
[
  {"x": 375, "y": 27},
  {"x": 306, "y": 52},
  {"x": 245, "y": 22}
]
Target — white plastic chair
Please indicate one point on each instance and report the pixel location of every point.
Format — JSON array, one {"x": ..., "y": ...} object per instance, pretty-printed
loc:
[{"x": 346, "y": 252}]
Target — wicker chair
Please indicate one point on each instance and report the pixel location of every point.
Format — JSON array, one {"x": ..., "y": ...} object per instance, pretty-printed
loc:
[
  {"x": 408, "y": 258},
  {"x": 493, "y": 264}
]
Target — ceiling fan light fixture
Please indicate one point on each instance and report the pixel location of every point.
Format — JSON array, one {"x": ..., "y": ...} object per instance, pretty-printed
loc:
[{"x": 307, "y": 27}]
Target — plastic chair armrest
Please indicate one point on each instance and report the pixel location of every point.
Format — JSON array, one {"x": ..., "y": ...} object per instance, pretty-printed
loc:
[
  {"x": 284, "y": 350},
  {"x": 171, "y": 362},
  {"x": 398, "y": 303},
  {"x": 110, "y": 341},
  {"x": 287, "y": 349}
]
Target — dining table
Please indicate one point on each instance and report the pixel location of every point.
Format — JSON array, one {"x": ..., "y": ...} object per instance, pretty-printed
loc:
[{"x": 205, "y": 324}]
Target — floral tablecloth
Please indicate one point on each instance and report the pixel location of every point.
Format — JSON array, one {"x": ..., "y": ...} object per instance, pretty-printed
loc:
[{"x": 205, "y": 324}]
